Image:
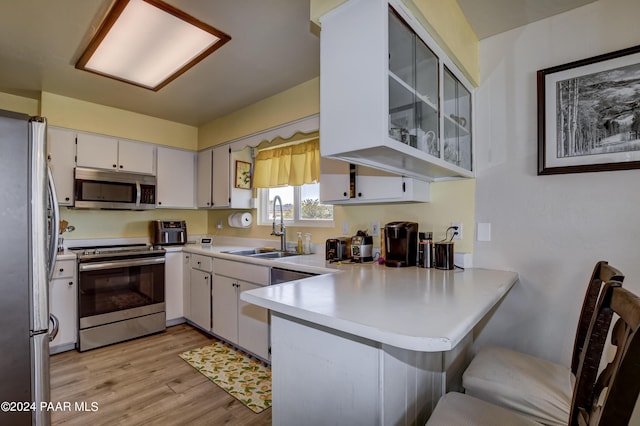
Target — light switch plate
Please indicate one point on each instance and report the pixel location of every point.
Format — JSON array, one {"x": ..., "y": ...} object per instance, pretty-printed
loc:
[
  {"x": 375, "y": 229},
  {"x": 484, "y": 232}
]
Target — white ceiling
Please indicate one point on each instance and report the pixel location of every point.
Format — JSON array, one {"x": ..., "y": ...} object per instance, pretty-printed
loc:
[{"x": 272, "y": 49}]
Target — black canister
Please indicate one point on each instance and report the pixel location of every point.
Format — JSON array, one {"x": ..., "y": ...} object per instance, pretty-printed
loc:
[{"x": 444, "y": 255}]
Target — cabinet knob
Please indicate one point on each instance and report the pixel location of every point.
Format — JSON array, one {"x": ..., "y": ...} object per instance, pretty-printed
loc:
[
  {"x": 70, "y": 283},
  {"x": 61, "y": 270},
  {"x": 121, "y": 166},
  {"x": 344, "y": 193},
  {"x": 66, "y": 198},
  {"x": 115, "y": 165},
  {"x": 359, "y": 194},
  {"x": 159, "y": 203}
]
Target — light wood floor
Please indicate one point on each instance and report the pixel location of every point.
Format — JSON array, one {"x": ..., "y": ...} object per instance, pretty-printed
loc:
[{"x": 144, "y": 382}]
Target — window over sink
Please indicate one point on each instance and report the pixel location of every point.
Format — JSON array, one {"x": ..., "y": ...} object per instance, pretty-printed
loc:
[{"x": 301, "y": 206}]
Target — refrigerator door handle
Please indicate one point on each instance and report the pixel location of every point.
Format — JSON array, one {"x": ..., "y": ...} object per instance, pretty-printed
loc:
[
  {"x": 56, "y": 325},
  {"x": 40, "y": 227},
  {"x": 55, "y": 224}
]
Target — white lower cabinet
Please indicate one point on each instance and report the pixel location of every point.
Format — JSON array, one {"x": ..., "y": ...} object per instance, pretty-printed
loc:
[
  {"x": 173, "y": 287},
  {"x": 63, "y": 305},
  {"x": 253, "y": 324},
  {"x": 240, "y": 323},
  {"x": 200, "y": 290},
  {"x": 200, "y": 296},
  {"x": 225, "y": 307},
  {"x": 186, "y": 285}
]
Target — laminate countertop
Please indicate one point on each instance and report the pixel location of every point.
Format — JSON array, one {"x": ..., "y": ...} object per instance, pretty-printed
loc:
[{"x": 426, "y": 310}]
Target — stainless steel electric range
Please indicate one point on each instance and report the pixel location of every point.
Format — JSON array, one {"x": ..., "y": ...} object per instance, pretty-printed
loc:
[{"x": 120, "y": 293}]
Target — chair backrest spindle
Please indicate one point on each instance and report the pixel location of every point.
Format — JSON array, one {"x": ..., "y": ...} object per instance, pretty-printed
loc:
[
  {"x": 610, "y": 400},
  {"x": 602, "y": 273}
]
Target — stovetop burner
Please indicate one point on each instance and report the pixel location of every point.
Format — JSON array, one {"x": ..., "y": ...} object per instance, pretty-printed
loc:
[{"x": 117, "y": 251}]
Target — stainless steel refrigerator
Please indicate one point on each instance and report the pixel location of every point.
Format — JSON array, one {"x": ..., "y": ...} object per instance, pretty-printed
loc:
[{"x": 29, "y": 222}]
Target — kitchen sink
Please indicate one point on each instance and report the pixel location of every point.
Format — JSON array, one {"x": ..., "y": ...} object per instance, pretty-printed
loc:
[{"x": 261, "y": 252}]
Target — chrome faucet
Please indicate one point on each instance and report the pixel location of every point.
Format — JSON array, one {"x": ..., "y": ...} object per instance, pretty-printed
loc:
[{"x": 282, "y": 233}]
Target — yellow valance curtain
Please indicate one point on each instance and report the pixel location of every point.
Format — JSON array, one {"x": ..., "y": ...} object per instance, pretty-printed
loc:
[{"x": 293, "y": 165}]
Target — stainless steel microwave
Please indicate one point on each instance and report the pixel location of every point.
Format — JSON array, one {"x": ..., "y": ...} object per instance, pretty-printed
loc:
[{"x": 102, "y": 189}]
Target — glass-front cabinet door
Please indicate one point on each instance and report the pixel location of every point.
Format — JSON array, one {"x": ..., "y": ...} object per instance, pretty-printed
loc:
[
  {"x": 390, "y": 97},
  {"x": 457, "y": 122},
  {"x": 413, "y": 89}
]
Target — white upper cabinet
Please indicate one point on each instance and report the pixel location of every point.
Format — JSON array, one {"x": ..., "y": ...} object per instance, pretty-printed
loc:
[
  {"x": 221, "y": 178},
  {"x": 389, "y": 96},
  {"x": 176, "y": 178},
  {"x": 138, "y": 157},
  {"x": 61, "y": 154},
  {"x": 203, "y": 183},
  {"x": 345, "y": 183},
  {"x": 105, "y": 152},
  {"x": 216, "y": 177}
]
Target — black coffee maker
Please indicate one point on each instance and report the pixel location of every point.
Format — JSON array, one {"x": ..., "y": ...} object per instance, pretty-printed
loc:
[{"x": 401, "y": 243}]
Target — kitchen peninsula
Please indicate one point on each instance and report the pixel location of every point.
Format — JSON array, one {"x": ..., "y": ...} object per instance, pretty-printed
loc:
[{"x": 372, "y": 344}]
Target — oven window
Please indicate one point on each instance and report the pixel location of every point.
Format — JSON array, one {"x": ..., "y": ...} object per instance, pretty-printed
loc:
[{"x": 117, "y": 289}]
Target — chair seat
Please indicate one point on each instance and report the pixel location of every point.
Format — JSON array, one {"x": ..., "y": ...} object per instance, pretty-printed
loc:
[
  {"x": 457, "y": 409},
  {"x": 534, "y": 387}
]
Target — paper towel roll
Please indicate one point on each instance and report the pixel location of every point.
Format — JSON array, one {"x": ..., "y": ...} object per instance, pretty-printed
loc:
[{"x": 240, "y": 220}]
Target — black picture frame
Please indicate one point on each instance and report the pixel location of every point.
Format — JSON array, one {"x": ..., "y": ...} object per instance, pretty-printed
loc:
[{"x": 589, "y": 114}]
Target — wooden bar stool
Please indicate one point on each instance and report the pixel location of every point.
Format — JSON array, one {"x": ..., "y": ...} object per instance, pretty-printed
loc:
[
  {"x": 535, "y": 387},
  {"x": 608, "y": 400}
]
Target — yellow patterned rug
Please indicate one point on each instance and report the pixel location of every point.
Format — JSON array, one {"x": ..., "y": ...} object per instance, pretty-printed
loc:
[{"x": 245, "y": 378}]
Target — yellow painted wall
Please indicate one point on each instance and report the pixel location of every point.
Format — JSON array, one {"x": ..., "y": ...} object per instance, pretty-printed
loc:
[
  {"x": 81, "y": 115},
  {"x": 92, "y": 224},
  {"x": 19, "y": 104},
  {"x": 449, "y": 27},
  {"x": 452, "y": 201},
  {"x": 297, "y": 102}
]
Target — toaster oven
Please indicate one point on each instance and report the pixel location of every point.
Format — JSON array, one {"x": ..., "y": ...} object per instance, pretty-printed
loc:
[{"x": 169, "y": 232}]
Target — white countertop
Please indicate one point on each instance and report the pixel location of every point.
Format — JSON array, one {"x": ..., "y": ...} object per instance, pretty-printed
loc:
[
  {"x": 426, "y": 310},
  {"x": 412, "y": 308}
]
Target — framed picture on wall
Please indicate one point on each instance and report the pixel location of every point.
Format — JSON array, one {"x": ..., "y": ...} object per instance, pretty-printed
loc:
[
  {"x": 243, "y": 175},
  {"x": 589, "y": 114}
]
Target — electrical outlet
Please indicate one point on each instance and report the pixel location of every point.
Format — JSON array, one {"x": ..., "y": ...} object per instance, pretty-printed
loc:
[
  {"x": 219, "y": 226},
  {"x": 345, "y": 228},
  {"x": 457, "y": 236},
  {"x": 375, "y": 229}
]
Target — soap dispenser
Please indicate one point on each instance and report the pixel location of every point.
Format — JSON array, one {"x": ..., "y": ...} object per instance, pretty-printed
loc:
[
  {"x": 299, "y": 242},
  {"x": 307, "y": 243}
]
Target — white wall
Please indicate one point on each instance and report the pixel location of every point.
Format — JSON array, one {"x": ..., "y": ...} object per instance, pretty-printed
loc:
[{"x": 550, "y": 229}]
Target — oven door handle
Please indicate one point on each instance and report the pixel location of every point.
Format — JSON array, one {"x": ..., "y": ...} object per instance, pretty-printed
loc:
[{"x": 95, "y": 266}]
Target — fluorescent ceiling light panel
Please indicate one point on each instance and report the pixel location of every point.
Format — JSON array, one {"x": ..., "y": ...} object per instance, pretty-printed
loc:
[{"x": 148, "y": 43}]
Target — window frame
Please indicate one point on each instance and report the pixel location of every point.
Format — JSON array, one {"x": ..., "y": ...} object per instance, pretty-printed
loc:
[{"x": 263, "y": 212}]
